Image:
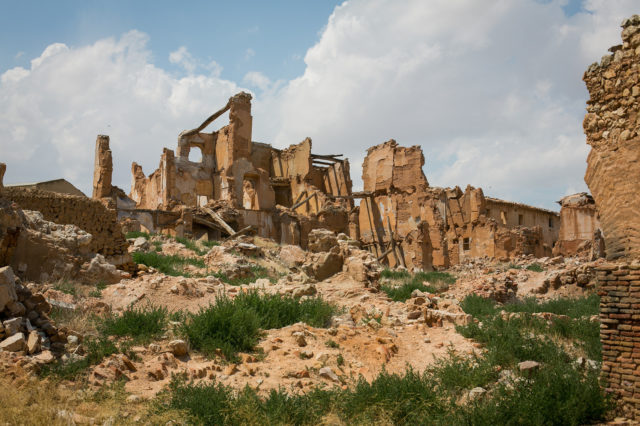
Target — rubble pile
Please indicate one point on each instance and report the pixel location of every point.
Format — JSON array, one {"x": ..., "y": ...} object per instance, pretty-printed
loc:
[{"x": 25, "y": 326}]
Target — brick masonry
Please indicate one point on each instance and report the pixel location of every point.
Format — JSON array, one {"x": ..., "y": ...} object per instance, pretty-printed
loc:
[{"x": 619, "y": 290}]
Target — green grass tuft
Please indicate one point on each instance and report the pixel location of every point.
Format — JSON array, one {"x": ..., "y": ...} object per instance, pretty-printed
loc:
[
  {"x": 235, "y": 325},
  {"x": 439, "y": 281},
  {"x": 535, "y": 267},
  {"x": 97, "y": 350},
  {"x": 169, "y": 265},
  {"x": 140, "y": 323},
  {"x": 257, "y": 272}
]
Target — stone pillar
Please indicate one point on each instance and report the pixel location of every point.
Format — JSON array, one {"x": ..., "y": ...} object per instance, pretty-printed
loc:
[
  {"x": 103, "y": 168},
  {"x": 240, "y": 124}
]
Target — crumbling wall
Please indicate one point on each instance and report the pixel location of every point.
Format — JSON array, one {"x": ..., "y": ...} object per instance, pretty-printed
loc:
[
  {"x": 579, "y": 224},
  {"x": 87, "y": 214},
  {"x": 612, "y": 124},
  {"x": 619, "y": 290}
]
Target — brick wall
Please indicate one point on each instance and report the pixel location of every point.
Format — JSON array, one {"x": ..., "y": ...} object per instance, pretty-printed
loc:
[{"x": 619, "y": 290}]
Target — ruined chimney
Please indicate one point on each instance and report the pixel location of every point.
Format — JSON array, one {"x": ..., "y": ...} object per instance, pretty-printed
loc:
[
  {"x": 241, "y": 122},
  {"x": 103, "y": 168}
]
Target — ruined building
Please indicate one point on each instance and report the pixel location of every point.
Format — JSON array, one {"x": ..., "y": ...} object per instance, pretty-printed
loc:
[
  {"x": 422, "y": 226},
  {"x": 281, "y": 194},
  {"x": 239, "y": 184},
  {"x": 611, "y": 125},
  {"x": 580, "y": 232}
]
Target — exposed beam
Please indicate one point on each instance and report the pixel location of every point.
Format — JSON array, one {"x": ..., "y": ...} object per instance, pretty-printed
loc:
[
  {"x": 216, "y": 217},
  {"x": 208, "y": 121}
]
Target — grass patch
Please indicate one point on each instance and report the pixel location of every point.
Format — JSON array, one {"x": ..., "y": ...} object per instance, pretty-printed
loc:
[
  {"x": 394, "y": 275},
  {"x": 235, "y": 325},
  {"x": 331, "y": 344},
  {"x": 169, "y": 265},
  {"x": 97, "y": 350},
  {"x": 141, "y": 324},
  {"x": 559, "y": 393},
  {"x": 137, "y": 234},
  {"x": 439, "y": 281},
  {"x": 535, "y": 267}
]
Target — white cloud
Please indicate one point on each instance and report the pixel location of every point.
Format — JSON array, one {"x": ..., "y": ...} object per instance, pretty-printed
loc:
[
  {"x": 183, "y": 58},
  {"x": 492, "y": 91},
  {"x": 257, "y": 79},
  {"x": 249, "y": 53},
  {"x": 51, "y": 113}
]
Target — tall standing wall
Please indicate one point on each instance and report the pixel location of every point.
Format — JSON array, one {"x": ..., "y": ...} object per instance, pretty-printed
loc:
[{"x": 612, "y": 126}]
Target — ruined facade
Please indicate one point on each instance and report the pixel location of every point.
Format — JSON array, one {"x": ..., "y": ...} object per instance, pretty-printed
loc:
[
  {"x": 412, "y": 224},
  {"x": 282, "y": 194},
  {"x": 611, "y": 124}
]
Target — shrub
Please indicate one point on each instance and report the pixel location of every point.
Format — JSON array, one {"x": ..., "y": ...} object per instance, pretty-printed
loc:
[
  {"x": 141, "y": 323},
  {"x": 395, "y": 275},
  {"x": 235, "y": 325},
  {"x": 478, "y": 306},
  {"x": 170, "y": 265},
  {"x": 574, "y": 308}
]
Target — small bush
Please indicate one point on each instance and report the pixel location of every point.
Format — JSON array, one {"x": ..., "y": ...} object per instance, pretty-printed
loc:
[
  {"x": 170, "y": 265},
  {"x": 478, "y": 306},
  {"x": 535, "y": 267},
  {"x": 137, "y": 234},
  {"x": 235, "y": 325},
  {"x": 141, "y": 323},
  {"x": 513, "y": 266}
]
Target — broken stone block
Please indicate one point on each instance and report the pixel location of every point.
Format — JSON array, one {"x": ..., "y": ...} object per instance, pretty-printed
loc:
[
  {"x": 7, "y": 287},
  {"x": 178, "y": 347},
  {"x": 321, "y": 240},
  {"x": 13, "y": 343},
  {"x": 12, "y": 326},
  {"x": 328, "y": 373},
  {"x": 33, "y": 342}
]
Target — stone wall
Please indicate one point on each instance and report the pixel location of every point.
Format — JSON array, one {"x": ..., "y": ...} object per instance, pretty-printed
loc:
[
  {"x": 619, "y": 290},
  {"x": 612, "y": 126},
  {"x": 87, "y": 214},
  {"x": 579, "y": 225}
]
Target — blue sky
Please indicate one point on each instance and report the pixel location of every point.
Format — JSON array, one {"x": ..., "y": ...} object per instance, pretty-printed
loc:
[
  {"x": 491, "y": 90},
  {"x": 239, "y": 35}
]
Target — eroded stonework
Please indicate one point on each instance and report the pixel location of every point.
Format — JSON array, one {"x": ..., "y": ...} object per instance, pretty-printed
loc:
[{"x": 611, "y": 125}]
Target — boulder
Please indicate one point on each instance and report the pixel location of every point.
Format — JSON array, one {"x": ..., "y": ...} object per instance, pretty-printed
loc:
[
  {"x": 328, "y": 373},
  {"x": 33, "y": 342},
  {"x": 323, "y": 265},
  {"x": 292, "y": 256},
  {"x": 178, "y": 347}
]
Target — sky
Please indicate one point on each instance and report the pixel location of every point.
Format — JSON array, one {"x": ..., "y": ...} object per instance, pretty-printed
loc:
[{"x": 491, "y": 90}]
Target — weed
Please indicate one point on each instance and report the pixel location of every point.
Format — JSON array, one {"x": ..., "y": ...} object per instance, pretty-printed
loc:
[
  {"x": 193, "y": 246},
  {"x": 210, "y": 244},
  {"x": 101, "y": 285},
  {"x": 139, "y": 323},
  {"x": 340, "y": 360},
  {"x": 535, "y": 267},
  {"x": 395, "y": 275},
  {"x": 331, "y": 344},
  {"x": 513, "y": 266},
  {"x": 574, "y": 308},
  {"x": 169, "y": 265},
  {"x": 95, "y": 293},
  {"x": 235, "y": 325},
  {"x": 66, "y": 287},
  {"x": 137, "y": 234}
]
